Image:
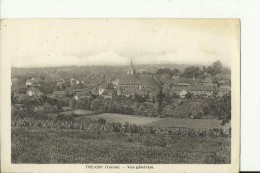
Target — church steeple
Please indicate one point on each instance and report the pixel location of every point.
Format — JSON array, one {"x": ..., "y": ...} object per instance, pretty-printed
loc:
[{"x": 131, "y": 71}]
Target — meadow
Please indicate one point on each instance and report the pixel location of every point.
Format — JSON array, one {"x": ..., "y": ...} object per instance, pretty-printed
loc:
[
  {"x": 50, "y": 145},
  {"x": 115, "y": 138},
  {"x": 159, "y": 122}
]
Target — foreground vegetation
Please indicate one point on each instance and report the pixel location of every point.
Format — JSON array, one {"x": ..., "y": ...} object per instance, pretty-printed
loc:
[
  {"x": 102, "y": 125},
  {"x": 52, "y": 145},
  {"x": 67, "y": 138}
]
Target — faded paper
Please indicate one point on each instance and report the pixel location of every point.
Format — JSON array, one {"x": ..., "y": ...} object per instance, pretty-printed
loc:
[{"x": 63, "y": 42}]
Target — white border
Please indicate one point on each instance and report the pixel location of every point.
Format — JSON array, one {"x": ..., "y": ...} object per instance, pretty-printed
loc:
[{"x": 248, "y": 11}]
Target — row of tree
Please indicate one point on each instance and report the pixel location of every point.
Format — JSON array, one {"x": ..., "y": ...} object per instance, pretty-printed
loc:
[{"x": 193, "y": 71}]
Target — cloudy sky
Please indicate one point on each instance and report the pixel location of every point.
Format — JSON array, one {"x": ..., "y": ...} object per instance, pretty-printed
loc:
[{"x": 53, "y": 42}]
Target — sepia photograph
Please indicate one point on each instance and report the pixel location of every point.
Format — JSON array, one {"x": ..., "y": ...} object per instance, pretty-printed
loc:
[{"x": 123, "y": 91}]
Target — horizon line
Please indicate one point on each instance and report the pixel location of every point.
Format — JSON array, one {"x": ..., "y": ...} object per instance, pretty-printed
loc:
[{"x": 106, "y": 65}]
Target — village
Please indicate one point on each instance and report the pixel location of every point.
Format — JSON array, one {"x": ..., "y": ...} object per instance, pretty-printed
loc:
[{"x": 164, "y": 93}]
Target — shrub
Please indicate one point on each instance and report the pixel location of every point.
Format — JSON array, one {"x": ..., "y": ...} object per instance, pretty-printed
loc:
[
  {"x": 93, "y": 126},
  {"x": 101, "y": 121},
  {"x": 65, "y": 117}
]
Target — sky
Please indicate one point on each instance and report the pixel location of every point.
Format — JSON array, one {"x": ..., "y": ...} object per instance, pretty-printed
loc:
[{"x": 64, "y": 42}]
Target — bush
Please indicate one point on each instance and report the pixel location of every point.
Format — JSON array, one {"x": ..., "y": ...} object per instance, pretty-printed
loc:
[
  {"x": 65, "y": 117},
  {"x": 101, "y": 121}
]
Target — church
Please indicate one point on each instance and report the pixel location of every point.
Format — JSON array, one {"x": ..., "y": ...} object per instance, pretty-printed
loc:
[
  {"x": 131, "y": 70},
  {"x": 139, "y": 83}
]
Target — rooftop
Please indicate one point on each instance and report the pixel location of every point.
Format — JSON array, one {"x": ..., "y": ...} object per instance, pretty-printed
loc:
[{"x": 143, "y": 79}]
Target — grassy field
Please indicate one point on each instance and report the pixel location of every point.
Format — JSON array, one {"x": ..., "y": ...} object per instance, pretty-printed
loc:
[
  {"x": 79, "y": 112},
  {"x": 183, "y": 109},
  {"x": 43, "y": 145},
  {"x": 160, "y": 122}
]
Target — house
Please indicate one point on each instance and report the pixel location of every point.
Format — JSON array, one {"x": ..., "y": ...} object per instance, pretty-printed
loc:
[
  {"x": 119, "y": 91},
  {"x": 189, "y": 81},
  {"x": 109, "y": 94},
  {"x": 94, "y": 91},
  {"x": 74, "y": 82},
  {"x": 138, "y": 81},
  {"x": 127, "y": 93},
  {"x": 33, "y": 82},
  {"x": 183, "y": 93},
  {"x": 105, "y": 86},
  {"x": 175, "y": 77},
  {"x": 59, "y": 94},
  {"x": 75, "y": 90},
  {"x": 29, "y": 82},
  {"x": 34, "y": 92},
  {"x": 183, "y": 84},
  {"x": 207, "y": 82},
  {"x": 101, "y": 89},
  {"x": 82, "y": 94},
  {"x": 225, "y": 88},
  {"x": 201, "y": 90},
  {"x": 115, "y": 83},
  {"x": 222, "y": 90},
  {"x": 178, "y": 89},
  {"x": 153, "y": 96}
]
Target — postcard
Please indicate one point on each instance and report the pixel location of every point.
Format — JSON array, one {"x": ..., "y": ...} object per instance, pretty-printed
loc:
[{"x": 120, "y": 95}]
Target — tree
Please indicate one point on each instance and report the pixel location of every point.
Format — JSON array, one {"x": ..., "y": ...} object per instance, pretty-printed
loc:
[
  {"x": 190, "y": 72},
  {"x": 160, "y": 101},
  {"x": 13, "y": 98},
  {"x": 139, "y": 98},
  {"x": 72, "y": 103},
  {"x": 205, "y": 109},
  {"x": 96, "y": 105},
  {"x": 164, "y": 71},
  {"x": 81, "y": 104},
  {"x": 222, "y": 108},
  {"x": 175, "y": 72},
  {"x": 47, "y": 108},
  {"x": 175, "y": 96},
  {"x": 22, "y": 90},
  {"x": 189, "y": 95},
  {"x": 29, "y": 103},
  {"x": 217, "y": 66}
]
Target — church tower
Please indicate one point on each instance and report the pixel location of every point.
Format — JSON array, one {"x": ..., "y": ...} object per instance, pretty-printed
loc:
[{"x": 131, "y": 70}]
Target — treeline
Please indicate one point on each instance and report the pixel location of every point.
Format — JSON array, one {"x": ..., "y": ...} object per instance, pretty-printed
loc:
[
  {"x": 127, "y": 106},
  {"x": 193, "y": 71}
]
